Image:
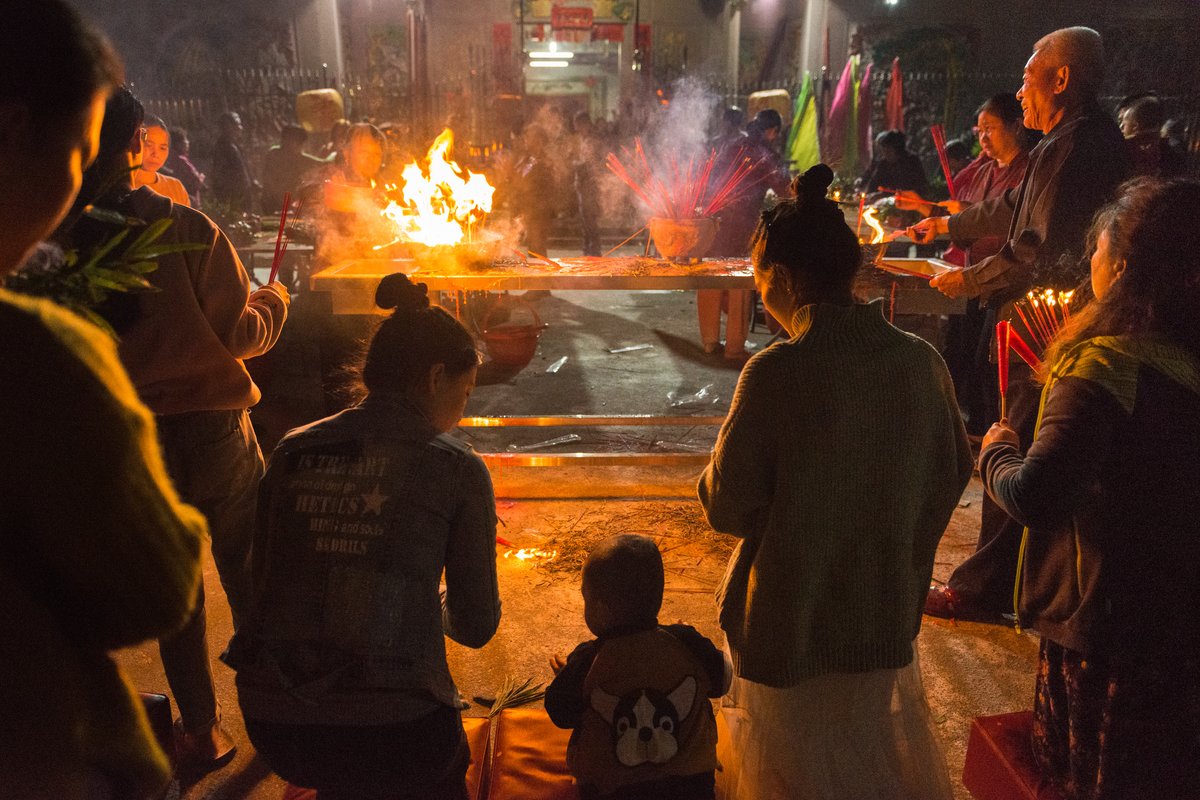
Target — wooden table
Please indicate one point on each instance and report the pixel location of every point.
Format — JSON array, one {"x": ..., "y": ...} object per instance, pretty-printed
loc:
[{"x": 352, "y": 285}]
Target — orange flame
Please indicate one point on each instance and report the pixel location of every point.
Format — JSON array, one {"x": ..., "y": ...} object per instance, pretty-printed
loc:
[
  {"x": 869, "y": 218},
  {"x": 440, "y": 202}
]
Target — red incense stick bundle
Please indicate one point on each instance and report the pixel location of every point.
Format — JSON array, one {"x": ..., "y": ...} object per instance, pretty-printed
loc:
[
  {"x": 862, "y": 201},
  {"x": 1022, "y": 349},
  {"x": 939, "y": 141},
  {"x": 1003, "y": 329},
  {"x": 280, "y": 244}
]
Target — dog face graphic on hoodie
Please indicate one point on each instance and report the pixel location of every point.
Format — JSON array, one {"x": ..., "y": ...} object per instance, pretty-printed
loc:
[{"x": 645, "y": 722}]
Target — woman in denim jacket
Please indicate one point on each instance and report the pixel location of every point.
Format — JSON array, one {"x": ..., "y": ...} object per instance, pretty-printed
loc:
[{"x": 342, "y": 673}]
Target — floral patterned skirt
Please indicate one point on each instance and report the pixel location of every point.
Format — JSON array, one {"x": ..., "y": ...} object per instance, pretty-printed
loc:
[{"x": 1118, "y": 727}]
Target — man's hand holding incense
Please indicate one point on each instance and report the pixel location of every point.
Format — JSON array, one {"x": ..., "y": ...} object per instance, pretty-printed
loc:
[
  {"x": 927, "y": 229},
  {"x": 950, "y": 283},
  {"x": 908, "y": 200}
]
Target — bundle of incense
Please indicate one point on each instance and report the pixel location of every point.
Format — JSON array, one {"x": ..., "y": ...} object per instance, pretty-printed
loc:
[
  {"x": 280, "y": 240},
  {"x": 1002, "y": 344},
  {"x": 1043, "y": 312},
  {"x": 684, "y": 191},
  {"x": 939, "y": 141}
]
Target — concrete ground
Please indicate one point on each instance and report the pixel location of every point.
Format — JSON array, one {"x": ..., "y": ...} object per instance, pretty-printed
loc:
[{"x": 969, "y": 669}]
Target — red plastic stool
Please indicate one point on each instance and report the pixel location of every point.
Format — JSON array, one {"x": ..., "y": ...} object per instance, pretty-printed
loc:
[{"x": 1000, "y": 763}]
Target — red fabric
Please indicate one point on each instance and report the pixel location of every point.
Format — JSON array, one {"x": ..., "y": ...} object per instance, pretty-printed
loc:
[
  {"x": 866, "y": 106},
  {"x": 982, "y": 180},
  {"x": 1000, "y": 763},
  {"x": 530, "y": 758},
  {"x": 894, "y": 110}
]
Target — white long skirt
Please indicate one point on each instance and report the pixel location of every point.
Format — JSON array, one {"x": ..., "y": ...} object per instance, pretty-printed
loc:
[{"x": 865, "y": 736}]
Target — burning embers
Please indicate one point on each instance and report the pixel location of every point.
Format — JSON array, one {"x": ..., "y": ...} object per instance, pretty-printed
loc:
[
  {"x": 531, "y": 554},
  {"x": 438, "y": 203}
]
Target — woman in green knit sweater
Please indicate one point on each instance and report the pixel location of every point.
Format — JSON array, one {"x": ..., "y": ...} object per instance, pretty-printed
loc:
[{"x": 838, "y": 467}]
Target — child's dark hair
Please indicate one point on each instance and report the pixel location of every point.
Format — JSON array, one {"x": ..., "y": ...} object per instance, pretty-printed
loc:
[
  {"x": 805, "y": 242},
  {"x": 626, "y": 574},
  {"x": 413, "y": 339}
]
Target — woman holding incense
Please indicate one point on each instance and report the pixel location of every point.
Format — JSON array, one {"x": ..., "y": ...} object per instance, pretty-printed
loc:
[
  {"x": 838, "y": 467},
  {"x": 342, "y": 674},
  {"x": 1108, "y": 494},
  {"x": 96, "y": 551},
  {"x": 1005, "y": 145}
]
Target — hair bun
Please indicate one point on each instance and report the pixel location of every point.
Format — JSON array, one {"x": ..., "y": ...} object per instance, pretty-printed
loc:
[
  {"x": 398, "y": 292},
  {"x": 813, "y": 185}
]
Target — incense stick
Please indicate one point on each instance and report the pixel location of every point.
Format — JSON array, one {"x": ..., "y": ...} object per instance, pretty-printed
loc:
[
  {"x": 280, "y": 247},
  {"x": 627, "y": 241},
  {"x": 1022, "y": 349},
  {"x": 939, "y": 141},
  {"x": 1002, "y": 343}
]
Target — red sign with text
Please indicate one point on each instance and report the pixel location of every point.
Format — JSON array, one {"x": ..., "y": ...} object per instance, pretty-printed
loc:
[{"x": 569, "y": 18}]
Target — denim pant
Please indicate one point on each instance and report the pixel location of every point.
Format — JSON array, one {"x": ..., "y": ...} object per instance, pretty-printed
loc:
[
  {"x": 215, "y": 463},
  {"x": 425, "y": 758}
]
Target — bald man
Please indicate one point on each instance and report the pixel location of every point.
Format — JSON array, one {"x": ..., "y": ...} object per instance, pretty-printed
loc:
[{"x": 1073, "y": 172}]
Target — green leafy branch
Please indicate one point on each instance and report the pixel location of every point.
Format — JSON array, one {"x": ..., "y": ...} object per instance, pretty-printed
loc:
[{"x": 83, "y": 283}]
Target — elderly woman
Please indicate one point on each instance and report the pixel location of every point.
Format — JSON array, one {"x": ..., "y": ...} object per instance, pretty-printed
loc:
[
  {"x": 1108, "y": 494},
  {"x": 838, "y": 467},
  {"x": 342, "y": 674},
  {"x": 1005, "y": 144}
]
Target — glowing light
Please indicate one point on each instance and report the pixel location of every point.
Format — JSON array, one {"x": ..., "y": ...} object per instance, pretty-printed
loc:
[
  {"x": 526, "y": 554},
  {"x": 869, "y": 218},
  {"x": 545, "y": 63},
  {"x": 551, "y": 54},
  {"x": 439, "y": 202}
]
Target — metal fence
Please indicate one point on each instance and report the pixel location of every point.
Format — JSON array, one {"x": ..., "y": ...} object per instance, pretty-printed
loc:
[{"x": 265, "y": 99}]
